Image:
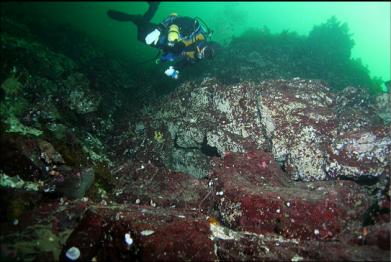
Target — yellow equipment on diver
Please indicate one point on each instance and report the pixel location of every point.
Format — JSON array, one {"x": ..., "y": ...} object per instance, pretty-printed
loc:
[{"x": 173, "y": 33}]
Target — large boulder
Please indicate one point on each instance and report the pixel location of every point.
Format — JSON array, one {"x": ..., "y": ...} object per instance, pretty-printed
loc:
[
  {"x": 298, "y": 121},
  {"x": 254, "y": 195}
]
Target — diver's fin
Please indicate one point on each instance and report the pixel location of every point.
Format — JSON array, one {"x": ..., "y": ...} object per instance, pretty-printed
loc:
[
  {"x": 153, "y": 3},
  {"x": 153, "y": 6},
  {"x": 121, "y": 16}
]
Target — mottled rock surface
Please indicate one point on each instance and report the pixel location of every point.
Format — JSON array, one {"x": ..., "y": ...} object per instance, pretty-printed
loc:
[
  {"x": 257, "y": 197},
  {"x": 296, "y": 120}
]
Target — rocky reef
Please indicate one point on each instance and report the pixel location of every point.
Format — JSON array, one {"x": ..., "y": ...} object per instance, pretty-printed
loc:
[{"x": 231, "y": 164}]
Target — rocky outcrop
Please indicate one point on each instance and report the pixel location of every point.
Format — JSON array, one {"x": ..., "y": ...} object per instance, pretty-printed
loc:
[
  {"x": 299, "y": 121},
  {"x": 256, "y": 196},
  {"x": 383, "y": 102}
]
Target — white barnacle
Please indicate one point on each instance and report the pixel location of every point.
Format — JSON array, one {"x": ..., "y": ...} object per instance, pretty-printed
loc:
[
  {"x": 147, "y": 232},
  {"x": 128, "y": 239},
  {"x": 73, "y": 253}
]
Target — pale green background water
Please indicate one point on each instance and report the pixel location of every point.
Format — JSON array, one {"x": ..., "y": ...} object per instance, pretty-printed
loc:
[{"x": 369, "y": 22}]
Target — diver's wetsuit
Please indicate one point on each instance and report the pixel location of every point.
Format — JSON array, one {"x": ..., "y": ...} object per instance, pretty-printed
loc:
[
  {"x": 189, "y": 28},
  {"x": 144, "y": 26}
]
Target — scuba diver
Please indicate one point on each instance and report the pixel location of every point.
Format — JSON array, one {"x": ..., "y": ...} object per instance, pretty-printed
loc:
[{"x": 183, "y": 40}]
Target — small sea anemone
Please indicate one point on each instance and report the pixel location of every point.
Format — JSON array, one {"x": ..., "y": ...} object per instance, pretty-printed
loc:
[{"x": 159, "y": 137}]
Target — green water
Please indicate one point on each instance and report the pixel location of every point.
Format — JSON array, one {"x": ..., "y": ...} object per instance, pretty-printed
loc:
[{"x": 369, "y": 23}]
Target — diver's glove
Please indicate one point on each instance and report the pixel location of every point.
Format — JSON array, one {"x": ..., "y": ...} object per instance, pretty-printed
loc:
[
  {"x": 152, "y": 37},
  {"x": 172, "y": 72}
]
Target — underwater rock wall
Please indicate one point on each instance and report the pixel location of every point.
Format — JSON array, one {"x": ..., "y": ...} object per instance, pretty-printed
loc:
[
  {"x": 299, "y": 121},
  {"x": 50, "y": 107},
  {"x": 383, "y": 103}
]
